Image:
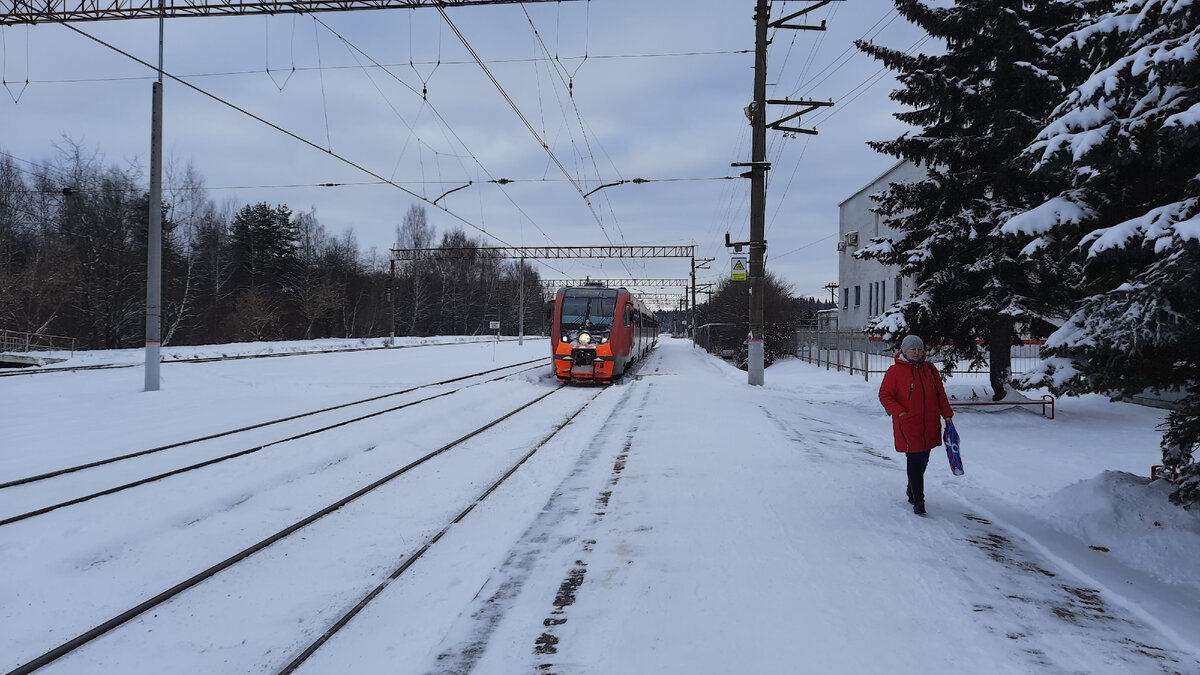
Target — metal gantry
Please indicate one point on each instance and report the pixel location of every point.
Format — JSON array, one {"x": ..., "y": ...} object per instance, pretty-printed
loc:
[
  {"x": 560, "y": 252},
  {"x": 543, "y": 252},
  {"x": 665, "y": 302},
  {"x": 555, "y": 284},
  {"x": 14, "y": 12}
]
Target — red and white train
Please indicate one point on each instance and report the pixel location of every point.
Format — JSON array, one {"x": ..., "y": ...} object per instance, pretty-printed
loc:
[{"x": 598, "y": 332}]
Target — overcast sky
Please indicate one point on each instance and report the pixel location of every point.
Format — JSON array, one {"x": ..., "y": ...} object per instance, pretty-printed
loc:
[{"x": 659, "y": 96}]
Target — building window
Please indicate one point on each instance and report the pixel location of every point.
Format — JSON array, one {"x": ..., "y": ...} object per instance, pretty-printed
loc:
[
  {"x": 845, "y": 298},
  {"x": 857, "y": 296},
  {"x": 899, "y": 288}
]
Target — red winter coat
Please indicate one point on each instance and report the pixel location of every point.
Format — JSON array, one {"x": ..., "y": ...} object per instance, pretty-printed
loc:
[{"x": 915, "y": 389}]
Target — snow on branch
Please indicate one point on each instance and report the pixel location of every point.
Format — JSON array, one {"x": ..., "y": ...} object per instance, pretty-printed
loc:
[
  {"x": 1180, "y": 219},
  {"x": 1061, "y": 210},
  {"x": 878, "y": 246}
]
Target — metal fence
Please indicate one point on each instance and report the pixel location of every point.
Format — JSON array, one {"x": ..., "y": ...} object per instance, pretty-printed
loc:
[
  {"x": 15, "y": 342},
  {"x": 856, "y": 353},
  {"x": 722, "y": 339}
]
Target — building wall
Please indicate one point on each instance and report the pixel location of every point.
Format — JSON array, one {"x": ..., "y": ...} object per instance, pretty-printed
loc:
[{"x": 867, "y": 287}]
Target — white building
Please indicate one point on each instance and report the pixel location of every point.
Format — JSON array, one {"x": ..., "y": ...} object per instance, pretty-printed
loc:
[{"x": 867, "y": 287}]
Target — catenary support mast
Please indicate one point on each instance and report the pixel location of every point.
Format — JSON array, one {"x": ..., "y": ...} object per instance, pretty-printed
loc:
[
  {"x": 758, "y": 170},
  {"x": 758, "y": 195}
]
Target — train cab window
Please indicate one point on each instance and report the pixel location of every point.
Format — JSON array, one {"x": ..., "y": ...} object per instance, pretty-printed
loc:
[{"x": 587, "y": 310}]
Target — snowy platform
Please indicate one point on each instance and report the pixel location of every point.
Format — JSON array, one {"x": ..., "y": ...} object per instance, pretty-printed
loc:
[{"x": 685, "y": 522}]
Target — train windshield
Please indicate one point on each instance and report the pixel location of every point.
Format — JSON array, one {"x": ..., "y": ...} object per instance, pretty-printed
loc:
[{"x": 596, "y": 308}]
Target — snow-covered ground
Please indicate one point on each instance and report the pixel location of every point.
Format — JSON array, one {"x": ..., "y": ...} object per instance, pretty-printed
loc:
[{"x": 684, "y": 522}]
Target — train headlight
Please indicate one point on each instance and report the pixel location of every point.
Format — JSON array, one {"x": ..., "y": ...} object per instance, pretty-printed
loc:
[
  {"x": 604, "y": 339},
  {"x": 585, "y": 338},
  {"x": 565, "y": 338}
]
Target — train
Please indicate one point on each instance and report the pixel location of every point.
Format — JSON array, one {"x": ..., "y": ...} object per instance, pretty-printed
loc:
[{"x": 598, "y": 332}]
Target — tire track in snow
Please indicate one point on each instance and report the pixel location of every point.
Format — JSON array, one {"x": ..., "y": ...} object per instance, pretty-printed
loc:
[{"x": 577, "y": 506}]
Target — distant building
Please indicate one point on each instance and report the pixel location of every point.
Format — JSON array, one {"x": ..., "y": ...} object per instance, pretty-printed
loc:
[
  {"x": 827, "y": 319},
  {"x": 867, "y": 287}
]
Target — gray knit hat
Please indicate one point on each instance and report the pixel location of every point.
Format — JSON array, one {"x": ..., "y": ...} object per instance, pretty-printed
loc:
[{"x": 911, "y": 342}]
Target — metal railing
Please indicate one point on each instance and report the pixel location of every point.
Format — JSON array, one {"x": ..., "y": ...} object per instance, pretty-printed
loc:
[
  {"x": 16, "y": 342},
  {"x": 849, "y": 351},
  {"x": 856, "y": 353}
]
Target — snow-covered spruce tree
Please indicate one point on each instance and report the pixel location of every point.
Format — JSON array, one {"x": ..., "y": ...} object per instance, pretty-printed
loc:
[
  {"x": 975, "y": 108},
  {"x": 1127, "y": 141}
]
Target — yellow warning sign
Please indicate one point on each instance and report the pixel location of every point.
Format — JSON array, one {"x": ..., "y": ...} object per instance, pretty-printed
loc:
[{"x": 739, "y": 266}]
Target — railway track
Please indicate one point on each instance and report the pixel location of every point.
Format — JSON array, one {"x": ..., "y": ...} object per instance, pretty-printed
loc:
[
  {"x": 505, "y": 371},
  {"x": 286, "y": 533},
  {"x": 237, "y": 357}
]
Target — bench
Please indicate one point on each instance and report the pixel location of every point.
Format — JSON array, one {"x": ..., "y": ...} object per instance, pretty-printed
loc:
[{"x": 1047, "y": 400}]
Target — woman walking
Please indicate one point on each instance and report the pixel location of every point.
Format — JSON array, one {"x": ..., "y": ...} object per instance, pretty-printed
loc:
[{"x": 912, "y": 393}]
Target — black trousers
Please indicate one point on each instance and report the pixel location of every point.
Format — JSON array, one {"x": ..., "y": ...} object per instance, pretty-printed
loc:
[{"x": 917, "y": 461}]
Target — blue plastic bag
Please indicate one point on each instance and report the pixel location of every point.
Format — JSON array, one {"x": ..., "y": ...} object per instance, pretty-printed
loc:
[{"x": 950, "y": 437}]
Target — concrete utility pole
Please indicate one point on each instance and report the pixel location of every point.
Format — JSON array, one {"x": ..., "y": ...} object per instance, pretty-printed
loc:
[
  {"x": 154, "y": 236},
  {"x": 758, "y": 195},
  {"x": 391, "y": 298},
  {"x": 757, "y": 112},
  {"x": 521, "y": 303}
]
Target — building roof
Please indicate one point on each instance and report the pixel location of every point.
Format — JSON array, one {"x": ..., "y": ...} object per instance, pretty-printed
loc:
[{"x": 878, "y": 178}]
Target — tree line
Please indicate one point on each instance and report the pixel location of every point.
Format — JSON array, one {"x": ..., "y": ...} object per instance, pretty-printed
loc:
[
  {"x": 73, "y": 263},
  {"x": 1061, "y": 200},
  {"x": 783, "y": 314},
  {"x": 73, "y": 235}
]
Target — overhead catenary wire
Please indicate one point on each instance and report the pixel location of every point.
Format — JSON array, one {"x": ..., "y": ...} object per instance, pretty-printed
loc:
[
  {"x": 385, "y": 179},
  {"x": 325, "y": 68},
  {"x": 321, "y": 76},
  {"x": 840, "y": 104},
  {"x": 512, "y": 104},
  {"x": 849, "y": 53},
  {"x": 445, "y": 125},
  {"x": 461, "y": 202},
  {"x": 549, "y": 151},
  {"x": 4, "y": 66},
  {"x": 272, "y": 186},
  {"x": 862, "y": 87},
  {"x": 567, "y": 80},
  {"x": 295, "y": 136}
]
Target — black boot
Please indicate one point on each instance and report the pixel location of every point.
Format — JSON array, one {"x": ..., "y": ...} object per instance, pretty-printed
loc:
[
  {"x": 908, "y": 492},
  {"x": 919, "y": 508}
]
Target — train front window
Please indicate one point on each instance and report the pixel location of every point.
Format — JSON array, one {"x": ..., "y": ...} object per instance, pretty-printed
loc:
[{"x": 585, "y": 312}]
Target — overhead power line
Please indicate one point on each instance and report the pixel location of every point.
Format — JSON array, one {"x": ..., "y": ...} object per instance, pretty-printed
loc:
[
  {"x": 280, "y": 129},
  {"x": 545, "y": 146},
  {"x": 385, "y": 66},
  {"x": 512, "y": 104},
  {"x": 46, "y": 11}
]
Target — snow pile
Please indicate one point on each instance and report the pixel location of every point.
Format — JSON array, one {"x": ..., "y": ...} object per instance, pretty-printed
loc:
[{"x": 1128, "y": 517}]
